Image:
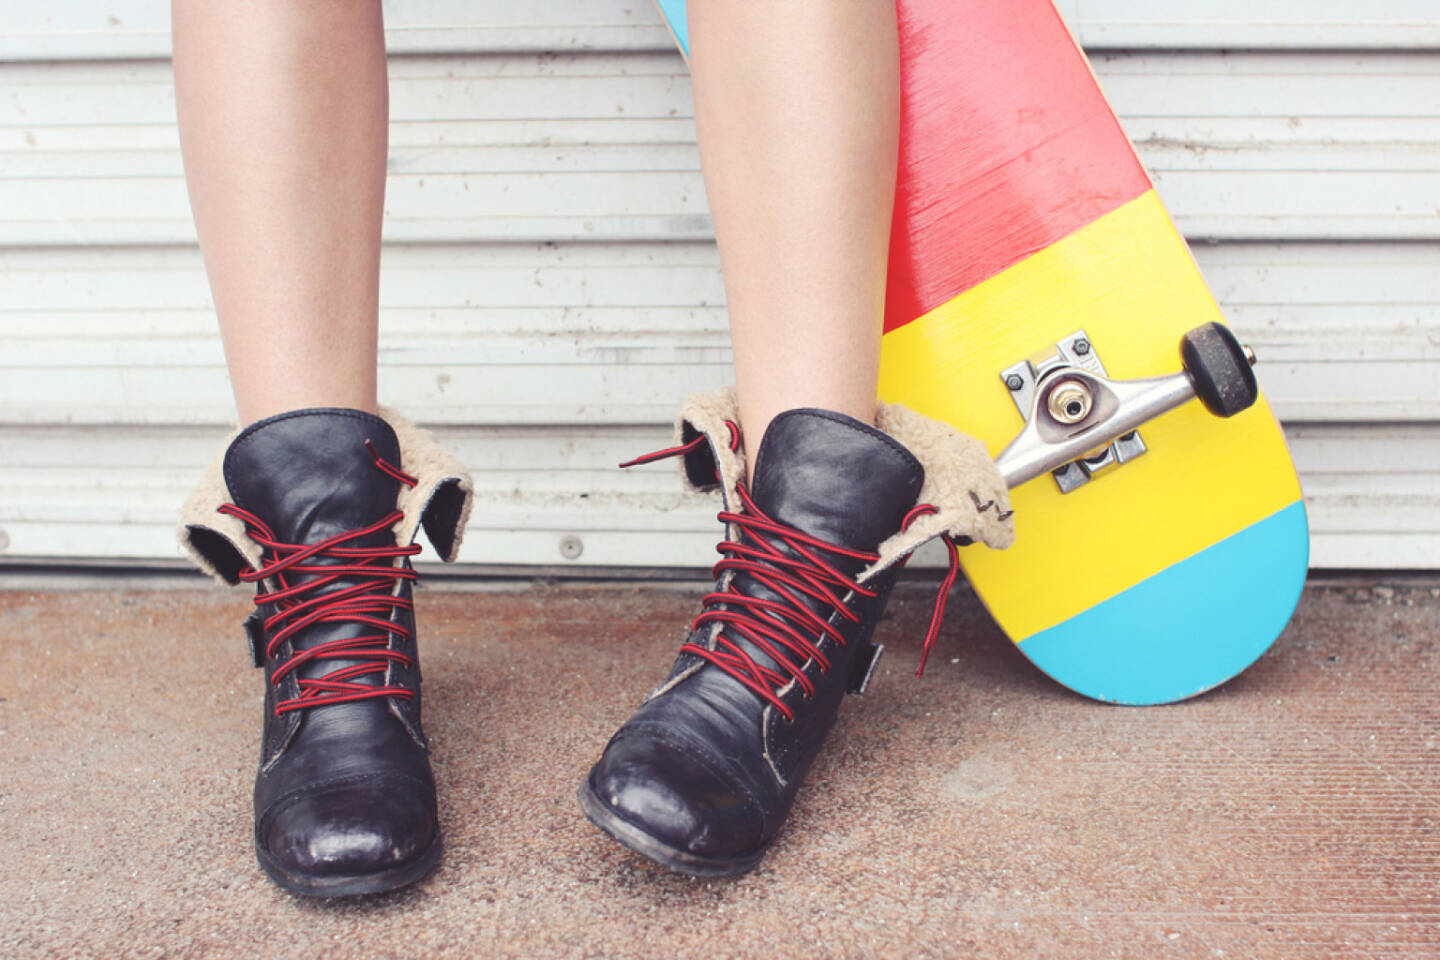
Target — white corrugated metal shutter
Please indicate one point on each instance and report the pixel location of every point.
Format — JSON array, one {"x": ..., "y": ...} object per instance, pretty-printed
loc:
[{"x": 550, "y": 288}]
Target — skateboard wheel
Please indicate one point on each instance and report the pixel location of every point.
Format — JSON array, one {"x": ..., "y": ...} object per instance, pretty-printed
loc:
[{"x": 1219, "y": 369}]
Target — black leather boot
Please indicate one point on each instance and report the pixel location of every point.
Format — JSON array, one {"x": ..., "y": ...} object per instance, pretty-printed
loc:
[
  {"x": 344, "y": 799},
  {"x": 701, "y": 778}
]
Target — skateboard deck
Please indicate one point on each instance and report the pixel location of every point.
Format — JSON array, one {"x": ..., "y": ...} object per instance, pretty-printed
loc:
[{"x": 1030, "y": 252}]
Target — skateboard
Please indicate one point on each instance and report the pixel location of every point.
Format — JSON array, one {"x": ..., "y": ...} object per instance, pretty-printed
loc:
[{"x": 1040, "y": 298}]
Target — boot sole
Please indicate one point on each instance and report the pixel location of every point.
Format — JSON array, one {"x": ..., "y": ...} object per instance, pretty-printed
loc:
[
  {"x": 349, "y": 886},
  {"x": 628, "y": 835}
]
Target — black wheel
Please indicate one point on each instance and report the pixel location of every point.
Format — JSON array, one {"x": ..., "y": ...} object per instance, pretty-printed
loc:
[{"x": 1218, "y": 367}]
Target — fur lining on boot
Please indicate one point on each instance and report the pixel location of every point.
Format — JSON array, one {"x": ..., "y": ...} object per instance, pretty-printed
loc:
[
  {"x": 961, "y": 481},
  {"x": 716, "y": 416},
  {"x": 440, "y": 502}
]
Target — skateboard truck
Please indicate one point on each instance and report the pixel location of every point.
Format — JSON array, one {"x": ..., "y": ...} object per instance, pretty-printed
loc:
[{"x": 1080, "y": 423}]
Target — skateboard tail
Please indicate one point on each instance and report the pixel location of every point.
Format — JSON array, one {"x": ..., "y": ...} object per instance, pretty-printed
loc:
[
  {"x": 1128, "y": 280},
  {"x": 1189, "y": 627}
]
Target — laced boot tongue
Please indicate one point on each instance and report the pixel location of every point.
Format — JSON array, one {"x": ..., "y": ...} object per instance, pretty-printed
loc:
[
  {"x": 836, "y": 479},
  {"x": 310, "y": 476}
]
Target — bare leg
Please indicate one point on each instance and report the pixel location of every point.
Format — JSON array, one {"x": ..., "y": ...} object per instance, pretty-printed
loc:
[
  {"x": 284, "y": 110},
  {"x": 797, "y": 107}
]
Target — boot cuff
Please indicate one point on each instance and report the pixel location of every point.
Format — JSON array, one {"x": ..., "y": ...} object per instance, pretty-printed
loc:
[
  {"x": 961, "y": 481},
  {"x": 440, "y": 502},
  {"x": 720, "y": 463}
]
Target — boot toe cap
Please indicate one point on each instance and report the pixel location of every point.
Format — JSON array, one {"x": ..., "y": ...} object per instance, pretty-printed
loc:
[
  {"x": 350, "y": 829},
  {"x": 675, "y": 797}
]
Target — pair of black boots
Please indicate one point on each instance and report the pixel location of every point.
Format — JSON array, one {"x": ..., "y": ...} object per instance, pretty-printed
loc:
[{"x": 316, "y": 508}]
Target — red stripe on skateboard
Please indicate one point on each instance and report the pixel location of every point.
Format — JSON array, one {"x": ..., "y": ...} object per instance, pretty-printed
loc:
[{"x": 1006, "y": 145}]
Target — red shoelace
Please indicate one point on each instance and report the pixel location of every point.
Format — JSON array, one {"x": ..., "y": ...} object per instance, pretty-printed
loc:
[
  {"x": 777, "y": 626},
  {"x": 369, "y": 603}
]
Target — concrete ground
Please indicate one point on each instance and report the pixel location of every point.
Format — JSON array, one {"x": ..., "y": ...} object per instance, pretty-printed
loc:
[{"x": 982, "y": 811}]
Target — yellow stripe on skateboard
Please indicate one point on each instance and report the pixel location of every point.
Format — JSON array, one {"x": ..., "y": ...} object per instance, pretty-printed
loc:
[{"x": 1128, "y": 280}]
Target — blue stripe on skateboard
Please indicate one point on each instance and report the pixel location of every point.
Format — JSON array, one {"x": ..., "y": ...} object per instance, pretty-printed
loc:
[
  {"x": 674, "y": 11},
  {"x": 1189, "y": 627}
]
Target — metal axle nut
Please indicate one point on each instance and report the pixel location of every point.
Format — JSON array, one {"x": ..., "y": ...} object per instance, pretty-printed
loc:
[{"x": 1069, "y": 401}]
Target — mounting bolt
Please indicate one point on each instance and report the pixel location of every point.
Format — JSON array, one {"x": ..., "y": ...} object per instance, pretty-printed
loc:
[
  {"x": 1081, "y": 347},
  {"x": 571, "y": 546},
  {"x": 1014, "y": 382}
]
